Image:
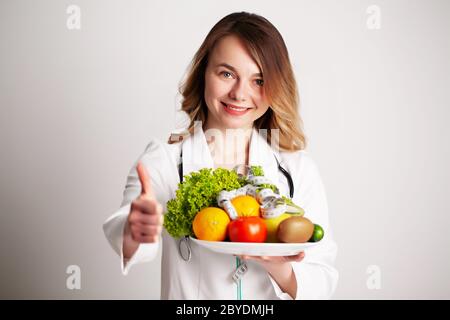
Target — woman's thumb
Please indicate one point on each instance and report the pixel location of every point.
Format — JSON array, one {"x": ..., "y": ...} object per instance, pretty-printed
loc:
[{"x": 144, "y": 178}]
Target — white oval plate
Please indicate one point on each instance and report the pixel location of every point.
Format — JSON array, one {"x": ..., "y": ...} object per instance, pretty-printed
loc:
[{"x": 255, "y": 249}]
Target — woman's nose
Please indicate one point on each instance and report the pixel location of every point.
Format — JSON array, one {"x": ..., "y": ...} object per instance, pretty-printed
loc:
[{"x": 238, "y": 91}]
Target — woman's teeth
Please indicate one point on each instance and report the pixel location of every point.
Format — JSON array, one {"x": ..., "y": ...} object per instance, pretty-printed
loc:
[
  {"x": 234, "y": 108},
  {"x": 237, "y": 109}
]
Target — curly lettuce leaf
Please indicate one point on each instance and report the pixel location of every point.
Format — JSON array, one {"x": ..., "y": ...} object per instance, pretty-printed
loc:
[{"x": 257, "y": 170}]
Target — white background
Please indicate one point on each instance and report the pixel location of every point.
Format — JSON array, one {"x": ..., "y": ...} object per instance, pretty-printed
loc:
[{"x": 79, "y": 106}]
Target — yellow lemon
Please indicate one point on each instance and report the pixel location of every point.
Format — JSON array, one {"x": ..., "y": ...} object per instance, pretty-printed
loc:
[
  {"x": 211, "y": 224},
  {"x": 246, "y": 206},
  {"x": 272, "y": 226}
]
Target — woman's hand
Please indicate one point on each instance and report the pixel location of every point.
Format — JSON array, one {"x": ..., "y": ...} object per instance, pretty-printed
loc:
[{"x": 144, "y": 223}]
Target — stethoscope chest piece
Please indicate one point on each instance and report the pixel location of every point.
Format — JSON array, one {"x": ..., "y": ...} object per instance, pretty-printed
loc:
[{"x": 184, "y": 248}]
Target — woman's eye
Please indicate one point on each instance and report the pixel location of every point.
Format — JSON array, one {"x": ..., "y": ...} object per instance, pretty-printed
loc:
[
  {"x": 227, "y": 74},
  {"x": 260, "y": 82}
]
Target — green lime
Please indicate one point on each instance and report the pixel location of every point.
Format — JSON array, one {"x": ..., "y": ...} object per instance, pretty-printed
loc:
[{"x": 317, "y": 234}]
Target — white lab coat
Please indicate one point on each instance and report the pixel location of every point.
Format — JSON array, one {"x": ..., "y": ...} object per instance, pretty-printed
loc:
[{"x": 208, "y": 275}]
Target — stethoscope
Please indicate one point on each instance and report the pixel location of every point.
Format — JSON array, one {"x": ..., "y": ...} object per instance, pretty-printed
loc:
[{"x": 184, "y": 247}]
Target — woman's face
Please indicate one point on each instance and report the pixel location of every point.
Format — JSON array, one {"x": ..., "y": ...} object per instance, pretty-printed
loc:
[{"x": 233, "y": 79}]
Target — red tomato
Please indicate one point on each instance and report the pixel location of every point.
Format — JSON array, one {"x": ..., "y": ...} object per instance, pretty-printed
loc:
[{"x": 247, "y": 229}]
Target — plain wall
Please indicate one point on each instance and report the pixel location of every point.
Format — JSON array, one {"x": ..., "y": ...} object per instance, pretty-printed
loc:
[{"x": 79, "y": 106}]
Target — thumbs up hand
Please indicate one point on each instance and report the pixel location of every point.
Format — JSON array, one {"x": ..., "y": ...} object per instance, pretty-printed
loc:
[{"x": 144, "y": 223}]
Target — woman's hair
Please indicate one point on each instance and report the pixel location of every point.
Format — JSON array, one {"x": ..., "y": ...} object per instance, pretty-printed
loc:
[{"x": 266, "y": 46}]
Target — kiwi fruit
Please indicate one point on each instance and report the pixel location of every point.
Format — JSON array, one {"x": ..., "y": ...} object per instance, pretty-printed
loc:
[{"x": 295, "y": 229}]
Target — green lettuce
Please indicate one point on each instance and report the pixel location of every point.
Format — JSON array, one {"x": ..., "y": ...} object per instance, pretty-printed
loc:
[{"x": 197, "y": 191}]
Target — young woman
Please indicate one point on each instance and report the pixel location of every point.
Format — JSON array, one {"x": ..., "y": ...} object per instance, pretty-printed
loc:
[{"x": 240, "y": 79}]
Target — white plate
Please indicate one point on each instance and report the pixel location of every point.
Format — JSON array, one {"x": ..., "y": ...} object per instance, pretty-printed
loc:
[{"x": 255, "y": 249}]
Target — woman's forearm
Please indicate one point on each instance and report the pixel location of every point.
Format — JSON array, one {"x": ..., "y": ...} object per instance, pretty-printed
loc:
[{"x": 284, "y": 276}]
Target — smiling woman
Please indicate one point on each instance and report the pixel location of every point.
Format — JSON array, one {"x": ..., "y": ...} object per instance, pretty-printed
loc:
[{"x": 239, "y": 84}]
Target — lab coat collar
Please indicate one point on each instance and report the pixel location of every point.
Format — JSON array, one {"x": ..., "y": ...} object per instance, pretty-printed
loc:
[
  {"x": 196, "y": 153},
  {"x": 262, "y": 154}
]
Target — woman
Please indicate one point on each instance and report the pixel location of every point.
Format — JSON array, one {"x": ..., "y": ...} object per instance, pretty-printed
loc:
[{"x": 240, "y": 79}]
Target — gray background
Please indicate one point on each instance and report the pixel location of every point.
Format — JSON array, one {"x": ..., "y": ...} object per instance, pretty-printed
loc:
[{"x": 78, "y": 107}]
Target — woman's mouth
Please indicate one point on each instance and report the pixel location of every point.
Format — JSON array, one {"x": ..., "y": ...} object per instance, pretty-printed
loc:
[{"x": 235, "y": 110}]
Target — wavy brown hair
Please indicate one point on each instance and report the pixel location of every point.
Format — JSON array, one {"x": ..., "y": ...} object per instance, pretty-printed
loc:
[{"x": 266, "y": 46}]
